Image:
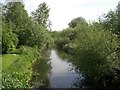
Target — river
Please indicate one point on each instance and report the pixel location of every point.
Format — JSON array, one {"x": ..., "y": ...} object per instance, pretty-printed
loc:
[
  {"x": 62, "y": 73},
  {"x": 58, "y": 69}
]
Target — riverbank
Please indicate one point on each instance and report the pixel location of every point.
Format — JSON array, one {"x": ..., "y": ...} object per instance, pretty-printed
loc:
[
  {"x": 17, "y": 68},
  {"x": 93, "y": 51}
]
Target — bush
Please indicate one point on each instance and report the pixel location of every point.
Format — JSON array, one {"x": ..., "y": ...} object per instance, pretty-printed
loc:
[
  {"x": 97, "y": 55},
  {"x": 9, "y": 39}
]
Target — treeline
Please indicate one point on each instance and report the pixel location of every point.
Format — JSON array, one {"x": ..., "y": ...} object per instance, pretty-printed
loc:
[
  {"x": 26, "y": 37},
  {"x": 18, "y": 28},
  {"x": 95, "y": 47}
]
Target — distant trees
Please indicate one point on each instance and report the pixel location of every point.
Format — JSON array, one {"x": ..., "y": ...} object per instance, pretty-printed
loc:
[{"x": 79, "y": 22}]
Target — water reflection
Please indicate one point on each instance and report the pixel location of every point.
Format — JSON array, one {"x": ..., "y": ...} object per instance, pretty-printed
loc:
[
  {"x": 40, "y": 71},
  {"x": 79, "y": 81},
  {"x": 55, "y": 70},
  {"x": 63, "y": 74}
]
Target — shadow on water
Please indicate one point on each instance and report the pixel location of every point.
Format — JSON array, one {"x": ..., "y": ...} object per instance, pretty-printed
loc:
[
  {"x": 79, "y": 79},
  {"x": 63, "y": 73},
  {"x": 40, "y": 71}
]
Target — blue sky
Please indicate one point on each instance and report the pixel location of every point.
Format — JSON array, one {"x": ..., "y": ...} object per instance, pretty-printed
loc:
[{"x": 63, "y": 11}]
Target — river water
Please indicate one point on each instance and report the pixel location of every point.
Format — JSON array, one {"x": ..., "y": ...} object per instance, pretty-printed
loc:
[
  {"x": 58, "y": 73},
  {"x": 63, "y": 74}
]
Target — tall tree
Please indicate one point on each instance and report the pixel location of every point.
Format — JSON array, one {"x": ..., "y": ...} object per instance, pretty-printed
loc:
[
  {"x": 9, "y": 39},
  {"x": 41, "y": 15},
  {"x": 22, "y": 23}
]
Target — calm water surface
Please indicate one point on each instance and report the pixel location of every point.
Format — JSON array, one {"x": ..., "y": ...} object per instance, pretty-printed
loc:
[
  {"x": 55, "y": 72},
  {"x": 62, "y": 74}
]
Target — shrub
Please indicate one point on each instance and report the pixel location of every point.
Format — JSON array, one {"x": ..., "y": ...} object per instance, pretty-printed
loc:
[
  {"x": 9, "y": 39},
  {"x": 97, "y": 55}
]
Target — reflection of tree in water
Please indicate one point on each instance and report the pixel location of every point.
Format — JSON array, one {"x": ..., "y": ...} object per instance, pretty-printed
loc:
[
  {"x": 80, "y": 67},
  {"x": 79, "y": 80},
  {"x": 63, "y": 55},
  {"x": 41, "y": 70},
  {"x": 94, "y": 76}
]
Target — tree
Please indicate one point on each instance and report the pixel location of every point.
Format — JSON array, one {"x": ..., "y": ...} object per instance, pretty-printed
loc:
[
  {"x": 41, "y": 15},
  {"x": 118, "y": 10},
  {"x": 22, "y": 23},
  {"x": 96, "y": 51},
  {"x": 111, "y": 20},
  {"x": 40, "y": 37},
  {"x": 78, "y": 22},
  {"x": 9, "y": 39}
]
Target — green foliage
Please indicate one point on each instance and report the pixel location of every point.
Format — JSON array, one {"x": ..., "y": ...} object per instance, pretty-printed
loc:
[
  {"x": 7, "y": 60},
  {"x": 111, "y": 21},
  {"x": 97, "y": 50},
  {"x": 40, "y": 37},
  {"x": 41, "y": 15},
  {"x": 66, "y": 36},
  {"x": 22, "y": 24},
  {"x": 93, "y": 46},
  {"x": 19, "y": 72},
  {"x": 96, "y": 25},
  {"x": 79, "y": 22},
  {"x": 9, "y": 39},
  {"x": 70, "y": 34},
  {"x": 24, "y": 28},
  {"x": 118, "y": 14},
  {"x": 40, "y": 74}
]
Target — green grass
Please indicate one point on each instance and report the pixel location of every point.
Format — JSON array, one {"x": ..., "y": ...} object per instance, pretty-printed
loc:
[
  {"x": 7, "y": 60},
  {"x": 17, "y": 69}
]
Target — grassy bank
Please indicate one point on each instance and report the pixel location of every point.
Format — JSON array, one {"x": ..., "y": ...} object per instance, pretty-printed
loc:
[
  {"x": 17, "y": 68},
  {"x": 7, "y": 60}
]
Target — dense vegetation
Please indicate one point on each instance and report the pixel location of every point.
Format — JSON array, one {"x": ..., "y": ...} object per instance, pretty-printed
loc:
[
  {"x": 25, "y": 38},
  {"x": 18, "y": 72},
  {"x": 92, "y": 44},
  {"x": 95, "y": 48}
]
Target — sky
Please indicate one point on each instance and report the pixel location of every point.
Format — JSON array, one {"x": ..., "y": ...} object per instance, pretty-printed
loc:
[{"x": 63, "y": 11}]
